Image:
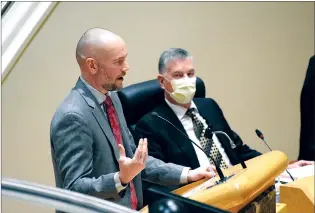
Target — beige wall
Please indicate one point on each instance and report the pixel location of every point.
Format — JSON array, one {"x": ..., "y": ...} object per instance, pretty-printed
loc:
[{"x": 252, "y": 57}]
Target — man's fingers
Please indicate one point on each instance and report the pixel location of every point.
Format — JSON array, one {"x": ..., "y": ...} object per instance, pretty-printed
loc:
[
  {"x": 305, "y": 162},
  {"x": 208, "y": 174},
  {"x": 121, "y": 150},
  {"x": 138, "y": 154},
  {"x": 144, "y": 150},
  {"x": 211, "y": 168}
]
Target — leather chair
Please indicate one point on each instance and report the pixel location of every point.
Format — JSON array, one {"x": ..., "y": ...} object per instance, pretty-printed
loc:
[{"x": 141, "y": 98}]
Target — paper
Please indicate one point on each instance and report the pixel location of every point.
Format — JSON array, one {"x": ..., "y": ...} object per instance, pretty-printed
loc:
[
  {"x": 297, "y": 173},
  {"x": 206, "y": 185}
]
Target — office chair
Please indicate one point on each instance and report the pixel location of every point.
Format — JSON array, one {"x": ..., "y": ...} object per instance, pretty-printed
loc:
[{"x": 141, "y": 98}]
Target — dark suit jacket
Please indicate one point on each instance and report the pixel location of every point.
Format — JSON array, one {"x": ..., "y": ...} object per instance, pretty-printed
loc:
[
  {"x": 167, "y": 144},
  {"x": 85, "y": 155},
  {"x": 307, "y": 104}
]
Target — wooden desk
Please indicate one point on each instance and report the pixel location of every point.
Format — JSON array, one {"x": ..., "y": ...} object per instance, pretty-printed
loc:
[
  {"x": 244, "y": 186},
  {"x": 298, "y": 195},
  {"x": 281, "y": 208}
]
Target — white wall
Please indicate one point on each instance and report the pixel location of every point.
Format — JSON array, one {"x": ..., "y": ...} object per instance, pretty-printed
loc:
[{"x": 252, "y": 57}]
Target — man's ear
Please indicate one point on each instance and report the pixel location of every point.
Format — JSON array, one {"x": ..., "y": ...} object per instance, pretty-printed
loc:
[
  {"x": 161, "y": 80},
  {"x": 92, "y": 65}
]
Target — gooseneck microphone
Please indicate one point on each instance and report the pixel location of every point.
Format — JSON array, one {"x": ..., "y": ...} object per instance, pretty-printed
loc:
[
  {"x": 261, "y": 136},
  {"x": 233, "y": 146},
  {"x": 219, "y": 171}
]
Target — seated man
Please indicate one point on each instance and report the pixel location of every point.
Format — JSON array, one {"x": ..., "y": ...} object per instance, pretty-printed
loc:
[{"x": 172, "y": 126}]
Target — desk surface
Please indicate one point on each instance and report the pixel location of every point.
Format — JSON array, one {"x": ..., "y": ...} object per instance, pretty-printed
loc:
[
  {"x": 244, "y": 186},
  {"x": 298, "y": 195}
]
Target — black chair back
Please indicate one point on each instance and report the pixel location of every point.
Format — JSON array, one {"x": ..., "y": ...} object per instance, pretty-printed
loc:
[{"x": 141, "y": 98}]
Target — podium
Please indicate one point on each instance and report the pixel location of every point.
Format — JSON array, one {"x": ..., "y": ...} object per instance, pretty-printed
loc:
[
  {"x": 298, "y": 195},
  {"x": 246, "y": 190}
]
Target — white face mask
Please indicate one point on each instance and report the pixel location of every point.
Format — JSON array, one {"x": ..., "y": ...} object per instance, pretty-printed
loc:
[{"x": 183, "y": 89}]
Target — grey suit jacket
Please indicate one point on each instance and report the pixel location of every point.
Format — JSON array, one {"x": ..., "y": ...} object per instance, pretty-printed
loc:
[{"x": 85, "y": 155}]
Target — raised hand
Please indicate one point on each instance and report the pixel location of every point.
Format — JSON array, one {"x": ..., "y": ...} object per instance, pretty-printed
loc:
[{"x": 128, "y": 167}]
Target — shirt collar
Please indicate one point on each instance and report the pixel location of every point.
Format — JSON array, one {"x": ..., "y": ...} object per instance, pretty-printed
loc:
[
  {"x": 179, "y": 110},
  {"x": 100, "y": 97}
]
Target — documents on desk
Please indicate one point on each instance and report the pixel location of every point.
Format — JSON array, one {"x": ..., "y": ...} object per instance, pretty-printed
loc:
[
  {"x": 206, "y": 185},
  {"x": 297, "y": 173}
]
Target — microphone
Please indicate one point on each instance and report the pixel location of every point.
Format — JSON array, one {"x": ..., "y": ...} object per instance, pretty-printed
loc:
[
  {"x": 219, "y": 171},
  {"x": 261, "y": 136},
  {"x": 233, "y": 146}
]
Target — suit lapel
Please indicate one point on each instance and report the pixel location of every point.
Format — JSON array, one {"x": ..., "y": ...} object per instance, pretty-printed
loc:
[
  {"x": 98, "y": 115},
  {"x": 183, "y": 142}
]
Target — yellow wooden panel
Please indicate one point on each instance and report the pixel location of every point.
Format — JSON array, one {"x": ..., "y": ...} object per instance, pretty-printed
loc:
[
  {"x": 244, "y": 186},
  {"x": 298, "y": 195},
  {"x": 281, "y": 208}
]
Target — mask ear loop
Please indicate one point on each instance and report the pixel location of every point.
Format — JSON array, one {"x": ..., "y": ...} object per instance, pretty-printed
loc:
[{"x": 164, "y": 87}]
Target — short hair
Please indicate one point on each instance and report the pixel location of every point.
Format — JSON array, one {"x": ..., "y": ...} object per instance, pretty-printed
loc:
[{"x": 171, "y": 54}]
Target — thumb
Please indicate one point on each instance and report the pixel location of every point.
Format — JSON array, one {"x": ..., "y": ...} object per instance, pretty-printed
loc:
[{"x": 121, "y": 150}]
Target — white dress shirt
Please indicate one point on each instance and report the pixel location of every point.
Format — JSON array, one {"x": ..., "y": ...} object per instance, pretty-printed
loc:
[{"x": 188, "y": 126}]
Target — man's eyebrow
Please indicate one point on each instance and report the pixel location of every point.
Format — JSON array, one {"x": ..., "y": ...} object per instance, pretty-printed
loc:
[
  {"x": 121, "y": 57},
  {"x": 178, "y": 71}
]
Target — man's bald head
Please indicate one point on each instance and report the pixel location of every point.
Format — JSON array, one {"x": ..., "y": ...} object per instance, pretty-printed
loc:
[
  {"x": 92, "y": 41},
  {"x": 101, "y": 55}
]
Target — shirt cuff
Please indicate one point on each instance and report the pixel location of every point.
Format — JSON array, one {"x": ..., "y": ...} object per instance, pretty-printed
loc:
[
  {"x": 184, "y": 176},
  {"x": 118, "y": 185}
]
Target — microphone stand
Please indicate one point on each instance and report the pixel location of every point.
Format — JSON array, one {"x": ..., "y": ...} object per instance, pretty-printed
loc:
[
  {"x": 261, "y": 136},
  {"x": 233, "y": 146},
  {"x": 219, "y": 171}
]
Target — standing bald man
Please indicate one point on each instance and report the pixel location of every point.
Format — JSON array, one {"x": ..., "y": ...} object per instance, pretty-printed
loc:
[{"x": 93, "y": 151}]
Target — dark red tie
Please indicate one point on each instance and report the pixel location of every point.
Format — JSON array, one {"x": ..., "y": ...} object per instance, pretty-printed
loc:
[{"x": 114, "y": 123}]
